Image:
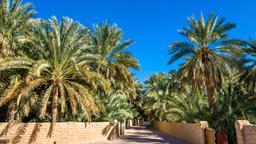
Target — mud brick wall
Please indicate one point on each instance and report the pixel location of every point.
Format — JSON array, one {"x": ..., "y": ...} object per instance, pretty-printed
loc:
[
  {"x": 64, "y": 132},
  {"x": 193, "y": 133}
]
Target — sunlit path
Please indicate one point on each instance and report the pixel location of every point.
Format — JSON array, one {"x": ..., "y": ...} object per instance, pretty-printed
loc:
[{"x": 141, "y": 134}]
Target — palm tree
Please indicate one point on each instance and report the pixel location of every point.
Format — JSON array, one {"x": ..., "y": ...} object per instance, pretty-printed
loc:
[
  {"x": 115, "y": 106},
  {"x": 157, "y": 92},
  {"x": 164, "y": 102},
  {"x": 207, "y": 53},
  {"x": 186, "y": 106},
  {"x": 234, "y": 102},
  {"x": 113, "y": 59},
  {"x": 60, "y": 79},
  {"x": 15, "y": 23},
  {"x": 248, "y": 75}
]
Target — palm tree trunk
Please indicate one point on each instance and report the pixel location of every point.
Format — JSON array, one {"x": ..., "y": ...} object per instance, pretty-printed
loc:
[
  {"x": 209, "y": 87},
  {"x": 211, "y": 97},
  {"x": 54, "y": 112}
]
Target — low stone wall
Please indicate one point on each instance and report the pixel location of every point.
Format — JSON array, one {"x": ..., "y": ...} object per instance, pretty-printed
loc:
[
  {"x": 245, "y": 132},
  {"x": 193, "y": 133},
  {"x": 68, "y": 133}
]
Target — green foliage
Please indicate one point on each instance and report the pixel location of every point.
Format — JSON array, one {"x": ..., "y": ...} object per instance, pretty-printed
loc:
[
  {"x": 187, "y": 106},
  {"x": 15, "y": 24},
  {"x": 52, "y": 71},
  {"x": 60, "y": 79},
  {"x": 233, "y": 103},
  {"x": 207, "y": 53},
  {"x": 63, "y": 71},
  {"x": 113, "y": 60},
  {"x": 248, "y": 65},
  {"x": 116, "y": 106},
  {"x": 157, "y": 95},
  {"x": 163, "y": 102}
]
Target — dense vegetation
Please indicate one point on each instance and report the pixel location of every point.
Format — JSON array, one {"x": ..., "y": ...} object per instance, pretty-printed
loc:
[
  {"x": 60, "y": 70},
  {"x": 215, "y": 82}
]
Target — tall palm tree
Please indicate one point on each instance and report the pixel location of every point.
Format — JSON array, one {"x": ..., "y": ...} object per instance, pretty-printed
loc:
[
  {"x": 207, "y": 53},
  {"x": 59, "y": 79},
  {"x": 113, "y": 59},
  {"x": 248, "y": 75},
  {"x": 15, "y": 23}
]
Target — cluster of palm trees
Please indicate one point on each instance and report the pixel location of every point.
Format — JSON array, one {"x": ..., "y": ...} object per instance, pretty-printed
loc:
[
  {"x": 60, "y": 70},
  {"x": 216, "y": 81}
]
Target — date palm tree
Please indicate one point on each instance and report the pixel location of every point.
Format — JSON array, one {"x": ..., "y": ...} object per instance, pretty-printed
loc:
[
  {"x": 157, "y": 92},
  {"x": 15, "y": 22},
  {"x": 113, "y": 59},
  {"x": 60, "y": 79},
  {"x": 206, "y": 54},
  {"x": 248, "y": 75},
  {"x": 234, "y": 102},
  {"x": 115, "y": 106},
  {"x": 186, "y": 106}
]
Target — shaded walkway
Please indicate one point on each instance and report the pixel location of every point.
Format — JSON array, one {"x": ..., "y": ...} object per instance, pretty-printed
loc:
[{"x": 141, "y": 134}]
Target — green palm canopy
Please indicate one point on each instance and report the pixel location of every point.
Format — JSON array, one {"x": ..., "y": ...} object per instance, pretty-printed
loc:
[
  {"x": 248, "y": 63},
  {"x": 15, "y": 23},
  {"x": 206, "y": 53},
  {"x": 60, "y": 79},
  {"x": 113, "y": 58}
]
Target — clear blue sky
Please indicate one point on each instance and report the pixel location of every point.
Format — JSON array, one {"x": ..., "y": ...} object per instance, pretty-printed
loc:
[{"x": 152, "y": 24}]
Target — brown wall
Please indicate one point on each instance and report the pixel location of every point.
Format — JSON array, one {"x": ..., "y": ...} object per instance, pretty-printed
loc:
[
  {"x": 193, "y": 133},
  {"x": 245, "y": 132},
  {"x": 68, "y": 133}
]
